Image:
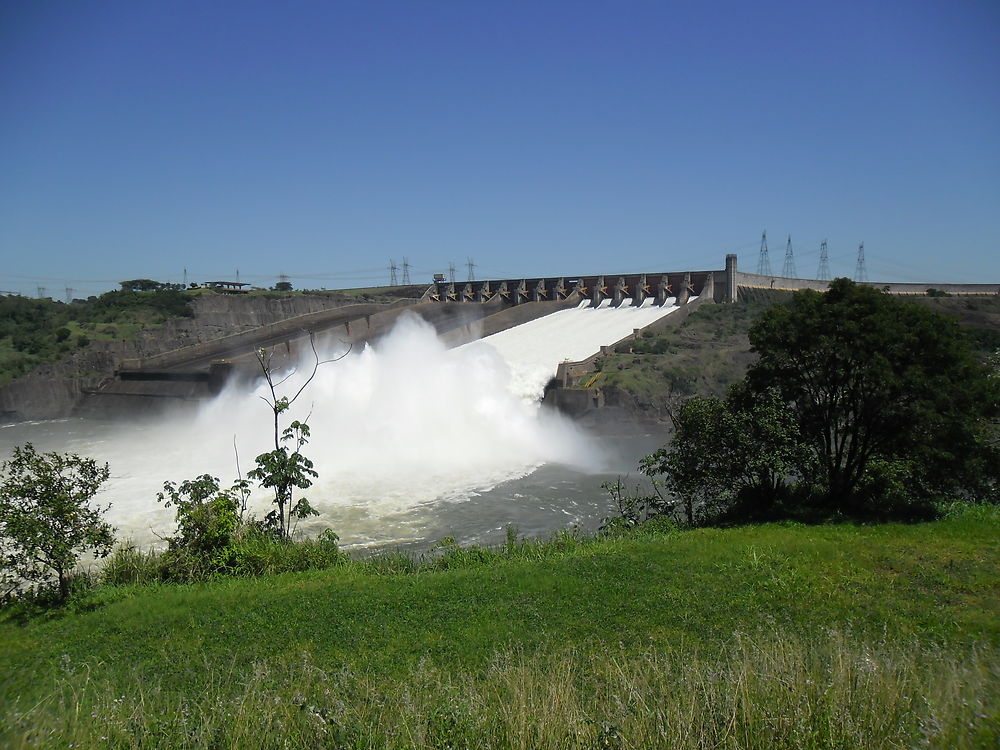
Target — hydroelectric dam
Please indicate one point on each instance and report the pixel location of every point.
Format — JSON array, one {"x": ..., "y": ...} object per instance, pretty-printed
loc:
[
  {"x": 435, "y": 431},
  {"x": 460, "y": 312}
]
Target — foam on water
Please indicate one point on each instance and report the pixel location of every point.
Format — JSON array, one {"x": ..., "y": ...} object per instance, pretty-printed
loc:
[{"x": 397, "y": 430}]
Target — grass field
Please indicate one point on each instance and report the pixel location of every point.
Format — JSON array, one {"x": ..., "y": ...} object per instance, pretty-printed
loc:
[{"x": 768, "y": 636}]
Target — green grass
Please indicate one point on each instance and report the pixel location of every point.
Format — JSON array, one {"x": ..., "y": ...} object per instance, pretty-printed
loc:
[{"x": 572, "y": 644}]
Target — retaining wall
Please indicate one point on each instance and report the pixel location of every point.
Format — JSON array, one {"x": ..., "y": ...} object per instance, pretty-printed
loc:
[{"x": 757, "y": 281}]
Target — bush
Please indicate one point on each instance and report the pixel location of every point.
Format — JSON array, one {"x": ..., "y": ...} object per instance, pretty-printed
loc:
[
  {"x": 251, "y": 551},
  {"x": 46, "y": 520}
]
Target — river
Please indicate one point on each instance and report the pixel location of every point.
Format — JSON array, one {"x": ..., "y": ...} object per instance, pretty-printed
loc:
[{"x": 412, "y": 442}]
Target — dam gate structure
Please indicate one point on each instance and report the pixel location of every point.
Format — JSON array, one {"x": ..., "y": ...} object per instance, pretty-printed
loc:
[{"x": 637, "y": 288}]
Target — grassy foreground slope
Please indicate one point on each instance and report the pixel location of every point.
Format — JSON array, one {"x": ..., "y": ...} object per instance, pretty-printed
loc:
[{"x": 768, "y": 636}]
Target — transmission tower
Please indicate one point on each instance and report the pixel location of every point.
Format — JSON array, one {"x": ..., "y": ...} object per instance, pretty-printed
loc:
[
  {"x": 470, "y": 264},
  {"x": 392, "y": 273},
  {"x": 788, "y": 269},
  {"x": 69, "y": 294},
  {"x": 41, "y": 292},
  {"x": 406, "y": 272},
  {"x": 451, "y": 272},
  {"x": 860, "y": 271},
  {"x": 824, "y": 263},
  {"x": 185, "y": 278},
  {"x": 763, "y": 264}
]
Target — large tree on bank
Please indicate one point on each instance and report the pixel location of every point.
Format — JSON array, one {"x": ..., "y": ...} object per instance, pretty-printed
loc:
[
  {"x": 887, "y": 395},
  {"x": 860, "y": 403}
]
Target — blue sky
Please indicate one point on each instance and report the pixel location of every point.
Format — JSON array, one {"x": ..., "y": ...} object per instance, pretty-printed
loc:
[{"x": 321, "y": 139}]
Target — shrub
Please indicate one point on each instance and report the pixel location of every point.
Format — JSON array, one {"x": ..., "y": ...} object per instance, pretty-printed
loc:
[{"x": 46, "y": 519}]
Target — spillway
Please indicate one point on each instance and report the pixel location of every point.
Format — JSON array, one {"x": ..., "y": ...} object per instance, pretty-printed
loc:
[
  {"x": 412, "y": 441},
  {"x": 535, "y": 349}
]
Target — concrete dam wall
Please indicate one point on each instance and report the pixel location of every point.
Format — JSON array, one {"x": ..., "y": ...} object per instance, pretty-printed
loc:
[
  {"x": 198, "y": 371},
  {"x": 189, "y": 359}
]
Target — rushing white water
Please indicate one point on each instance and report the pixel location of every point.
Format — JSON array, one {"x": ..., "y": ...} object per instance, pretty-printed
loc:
[
  {"x": 534, "y": 350},
  {"x": 400, "y": 431}
]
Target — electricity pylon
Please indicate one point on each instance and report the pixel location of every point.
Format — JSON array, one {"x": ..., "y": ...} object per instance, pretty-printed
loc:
[
  {"x": 788, "y": 269},
  {"x": 824, "y": 263},
  {"x": 763, "y": 263},
  {"x": 860, "y": 271}
]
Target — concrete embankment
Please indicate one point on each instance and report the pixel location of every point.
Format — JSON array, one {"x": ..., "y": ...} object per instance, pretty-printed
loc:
[
  {"x": 746, "y": 280},
  {"x": 58, "y": 389},
  {"x": 195, "y": 373},
  {"x": 567, "y": 392}
]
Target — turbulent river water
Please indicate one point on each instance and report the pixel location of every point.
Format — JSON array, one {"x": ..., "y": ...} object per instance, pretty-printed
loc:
[{"x": 412, "y": 442}]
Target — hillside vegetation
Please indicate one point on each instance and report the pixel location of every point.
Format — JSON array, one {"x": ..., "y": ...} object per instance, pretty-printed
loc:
[
  {"x": 39, "y": 331},
  {"x": 36, "y": 331},
  {"x": 776, "y": 636},
  {"x": 710, "y": 350}
]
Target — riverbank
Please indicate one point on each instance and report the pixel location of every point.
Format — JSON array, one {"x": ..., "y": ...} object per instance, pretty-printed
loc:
[{"x": 771, "y": 636}]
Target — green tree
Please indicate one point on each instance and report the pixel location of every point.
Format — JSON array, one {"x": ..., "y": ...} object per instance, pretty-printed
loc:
[
  {"x": 46, "y": 520},
  {"x": 284, "y": 469},
  {"x": 860, "y": 403},
  {"x": 885, "y": 393},
  {"x": 729, "y": 458}
]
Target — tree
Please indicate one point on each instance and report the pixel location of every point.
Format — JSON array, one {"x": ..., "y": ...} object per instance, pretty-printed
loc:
[
  {"x": 732, "y": 457},
  {"x": 860, "y": 403},
  {"x": 46, "y": 520},
  {"x": 884, "y": 392},
  {"x": 283, "y": 470}
]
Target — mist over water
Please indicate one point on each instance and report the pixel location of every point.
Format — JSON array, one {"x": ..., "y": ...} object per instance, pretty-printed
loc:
[
  {"x": 400, "y": 432},
  {"x": 405, "y": 424},
  {"x": 412, "y": 441}
]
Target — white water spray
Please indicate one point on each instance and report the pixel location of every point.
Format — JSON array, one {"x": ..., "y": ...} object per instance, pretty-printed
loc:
[{"x": 398, "y": 430}]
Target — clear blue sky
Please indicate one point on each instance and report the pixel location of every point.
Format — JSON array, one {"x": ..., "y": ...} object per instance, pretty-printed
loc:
[{"x": 321, "y": 139}]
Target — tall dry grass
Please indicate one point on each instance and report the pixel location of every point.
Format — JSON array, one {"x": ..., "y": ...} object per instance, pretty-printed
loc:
[{"x": 762, "y": 691}]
